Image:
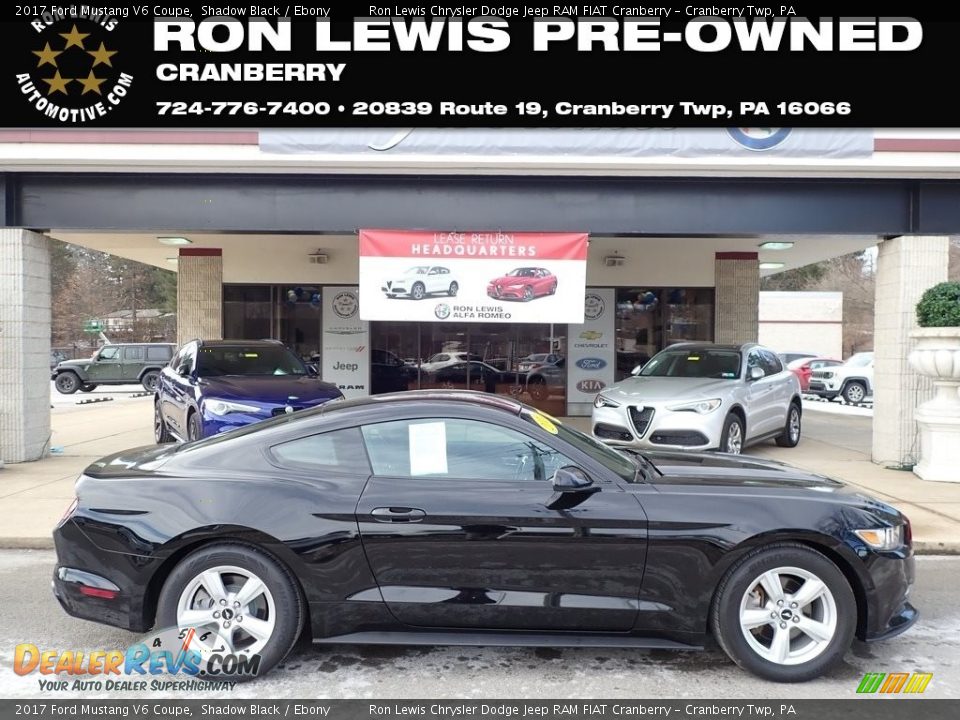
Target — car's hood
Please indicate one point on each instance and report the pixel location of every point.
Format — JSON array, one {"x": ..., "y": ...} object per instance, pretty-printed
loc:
[
  {"x": 135, "y": 462},
  {"x": 510, "y": 280},
  {"x": 270, "y": 389},
  {"x": 716, "y": 471},
  {"x": 405, "y": 278},
  {"x": 81, "y": 363},
  {"x": 667, "y": 388}
]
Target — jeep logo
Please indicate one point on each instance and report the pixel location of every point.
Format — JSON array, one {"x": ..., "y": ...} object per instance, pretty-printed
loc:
[
  {"x": 351, "y": 367},
  {"x": 591, "y": 364},
  {"x": 591, "y": 385}
]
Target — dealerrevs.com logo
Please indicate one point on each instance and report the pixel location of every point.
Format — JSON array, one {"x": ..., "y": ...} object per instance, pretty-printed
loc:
[{"x": 72, "y": 75}]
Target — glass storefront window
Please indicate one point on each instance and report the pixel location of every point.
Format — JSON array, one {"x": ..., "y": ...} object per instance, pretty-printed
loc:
[
  {"x": 650, "y": 319},
  {"x": 247, "y": 312}
]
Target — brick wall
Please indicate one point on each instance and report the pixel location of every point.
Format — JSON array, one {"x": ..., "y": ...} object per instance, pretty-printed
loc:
[
  {"x": 199, "y": 294},
  {"x": 737, "y": 277}
]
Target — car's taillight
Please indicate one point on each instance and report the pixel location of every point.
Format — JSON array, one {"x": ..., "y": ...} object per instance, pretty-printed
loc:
[
  {"x": 907, "y": 532},
  {"x": 68, "y": 513}
]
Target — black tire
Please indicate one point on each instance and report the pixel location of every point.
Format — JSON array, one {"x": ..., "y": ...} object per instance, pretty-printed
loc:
[
  {"x": 528, "y": 294},
  {"x": 537, "y": 389},
  {"x": 194, "y": 428},
  {"x": 289, "y": 607},
  {"x": 67, "y": 383},
  {"x": 553, "y": 290},
  {"x": 418, "y": 291},
  {"x": 454, "y": 289},
  {"x": 150, "y": 381},
  {"x": 88, "y": 388},
  {"x": 160, "y": 432},
  {"x": 854, "y": 392},
  {"x": 726, "y": 621},
  {"x": 732, "y": 432},
  {"x": 791, "y": 435}
]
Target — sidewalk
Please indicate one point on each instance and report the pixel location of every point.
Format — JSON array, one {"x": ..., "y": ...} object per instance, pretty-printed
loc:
[{"x": 33, "y": 496}]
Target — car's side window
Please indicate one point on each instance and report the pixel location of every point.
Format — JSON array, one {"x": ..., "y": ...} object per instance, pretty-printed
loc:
[
  {"x": 158, "y": 354},
  {"x": 461, "y": 449},
  {"x": 109, "y": 353},
  {"x": 337, "y": 451},
  {"x": 133, "y": 353}
]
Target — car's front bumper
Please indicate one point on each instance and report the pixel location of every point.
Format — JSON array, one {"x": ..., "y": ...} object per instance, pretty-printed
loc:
[
  {"x": 821, "y": 386},
  {"x": 889, "y": 611},
  {"x": 504, "y": 293},
  {"x": 654, "y": 427}
]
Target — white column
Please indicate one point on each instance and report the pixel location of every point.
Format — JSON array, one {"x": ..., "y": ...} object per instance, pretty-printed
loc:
[
  {"x": 24, "y": 346},
  {"x": 906, "y": 267}
]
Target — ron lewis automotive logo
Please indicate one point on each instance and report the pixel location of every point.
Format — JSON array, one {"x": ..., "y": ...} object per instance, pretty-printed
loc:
[
  {"x": 73, "y": 75},
  {"x": 759, "y": 139}
]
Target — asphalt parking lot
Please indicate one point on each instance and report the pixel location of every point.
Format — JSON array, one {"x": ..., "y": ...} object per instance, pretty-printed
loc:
[{"x": 30, "y": 614}]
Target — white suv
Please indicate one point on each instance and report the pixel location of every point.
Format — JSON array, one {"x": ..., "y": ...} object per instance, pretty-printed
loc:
[
  {"x": 420, "y": 281},
  {"x": 853, "y": 380}
]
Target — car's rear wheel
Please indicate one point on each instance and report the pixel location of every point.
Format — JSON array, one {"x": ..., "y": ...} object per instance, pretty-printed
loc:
[
  {"x": 150, "y": 381},
  {"x": 160, "y": 433},
  {"x": 194, "y": 429},
  {"x": 791, "y": 430},
  {"x": 454, "y": 289},
  {"x": 67, "y": 383},
  {"x": 238, "y": 595},
  {"x": 537, "y": 389},
  {"x": 418, "y": 291},
  {"x": 88, "y": 388},
  {"x": 731, "y": 439},
  {"x": 785, "y": 613},
  {"x": 854, "y": 392}
]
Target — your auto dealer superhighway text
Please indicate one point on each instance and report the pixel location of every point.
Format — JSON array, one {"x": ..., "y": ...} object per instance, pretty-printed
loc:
[{"x": 579, "y": 710}]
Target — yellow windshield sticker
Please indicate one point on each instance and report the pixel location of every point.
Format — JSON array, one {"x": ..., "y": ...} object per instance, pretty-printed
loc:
[
  {"x": 550, "y": 417},
  {"x": 693, "y": 358},
  {"x": 544, "y": 422},
  {"x": 251, "y": 355}
]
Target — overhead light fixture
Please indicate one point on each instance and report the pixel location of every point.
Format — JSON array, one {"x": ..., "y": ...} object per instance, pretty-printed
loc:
[
  {"x": 174, "y": 240},
  {"x": 614, "y": 260},
  {"x": 771, "y": 265},
  {"x": 173, "y": 260},
  {"x": 776, "y": 245}
]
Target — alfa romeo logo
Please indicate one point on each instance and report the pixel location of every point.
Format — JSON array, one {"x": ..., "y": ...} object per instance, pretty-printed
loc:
[
  {"x": 442, "y": 311},
  {"x": 759, "y": 138},
  {"x": 73, "y": 74}
]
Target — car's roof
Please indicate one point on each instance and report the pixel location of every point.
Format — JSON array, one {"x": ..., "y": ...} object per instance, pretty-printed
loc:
[
  {"x": 454, "y": 397},
  {"x": 709, "y": 346},
  {"x": 245, "y": 343},
  {"x": 123, "y": 344}
]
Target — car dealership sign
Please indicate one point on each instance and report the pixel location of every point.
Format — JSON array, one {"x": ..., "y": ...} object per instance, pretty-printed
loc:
[{"x": 484, "y": 276}]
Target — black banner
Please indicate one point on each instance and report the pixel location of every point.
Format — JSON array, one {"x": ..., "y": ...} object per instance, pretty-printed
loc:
[
  {"x": 474, "y": 65},
  {"x": 604, "y": 709}
]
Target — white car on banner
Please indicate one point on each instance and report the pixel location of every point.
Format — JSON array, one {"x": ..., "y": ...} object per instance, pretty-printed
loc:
[{"x": 422, "y": 280}]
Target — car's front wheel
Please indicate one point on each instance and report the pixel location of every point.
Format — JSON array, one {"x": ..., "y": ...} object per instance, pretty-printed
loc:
[
  {"x": 160, "y": 433},
  {"x": 418, "y": 291},
  {"x": 239, "y": 595},
  {"x": 453, "y": 290},
  {"x": 791, "y": 430},
  {"x": 67, "y": 383},
  {"x": 785, "y": 613},
  {"x": 194, "y": 428},
  {"x": 731, "y": 438},
  {"x": 854, "y": 392}
]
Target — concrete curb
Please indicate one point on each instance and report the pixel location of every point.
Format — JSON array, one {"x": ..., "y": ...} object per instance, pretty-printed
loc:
[{"x": 920, "y": 547}]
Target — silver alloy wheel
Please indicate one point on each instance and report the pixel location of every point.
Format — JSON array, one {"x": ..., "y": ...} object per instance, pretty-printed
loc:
[
  {"x": 788, "y": 616},
  {"x": 233, "y": 603},
  {"x": 157, "y": 422},
  {"x": 794, "y": 424},
  {"x": 734, "y": 439},
  {"x": 854, "y": 393},
  {"x": 418, "y": 291}
]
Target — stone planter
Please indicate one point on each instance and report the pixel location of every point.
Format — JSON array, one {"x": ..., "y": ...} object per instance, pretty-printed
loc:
[{"x": 937, "y": 356}]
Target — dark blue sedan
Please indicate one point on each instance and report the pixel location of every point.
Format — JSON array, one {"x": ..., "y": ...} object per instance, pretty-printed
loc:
[{"x": 212, "y": 386}]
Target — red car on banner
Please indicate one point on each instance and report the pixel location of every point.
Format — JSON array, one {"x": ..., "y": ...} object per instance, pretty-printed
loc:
[{"x": 523, "y": 283}]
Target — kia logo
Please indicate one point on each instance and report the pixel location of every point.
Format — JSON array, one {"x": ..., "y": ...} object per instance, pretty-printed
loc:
[
  {"x": 591, "y": 364},
  {"x": 591, "y": 385}
]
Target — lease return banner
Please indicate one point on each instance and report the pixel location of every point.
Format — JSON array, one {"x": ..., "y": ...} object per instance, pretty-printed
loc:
[
  {"x": 477, "y": 276},
  {"x": 237, "y": 65}
]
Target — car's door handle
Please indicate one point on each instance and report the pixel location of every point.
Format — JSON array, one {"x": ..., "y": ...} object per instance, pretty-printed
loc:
[{"x": 398, "y": 514}]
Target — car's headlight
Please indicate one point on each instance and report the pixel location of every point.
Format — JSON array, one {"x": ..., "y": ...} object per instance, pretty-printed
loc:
[
  {"x": 225, "y": 407},
  {"x": 885, "y": 538},
  {"x": 827, "y": 375},
  {"x": 601, "y": 402},
  {"x": 701, "y": 407}
]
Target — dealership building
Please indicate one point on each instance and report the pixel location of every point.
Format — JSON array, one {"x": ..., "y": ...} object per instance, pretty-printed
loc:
[{"x": 265, "y": 228}]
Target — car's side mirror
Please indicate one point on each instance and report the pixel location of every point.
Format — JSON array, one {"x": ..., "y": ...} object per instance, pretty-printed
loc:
[
  {"x": 313, "y": 370},
  {"x": 184, "y": 370},
  {"x": 756, "y": 373},
  {"x": 636, "y": 371},
  {"x": 571, "y": 486}
]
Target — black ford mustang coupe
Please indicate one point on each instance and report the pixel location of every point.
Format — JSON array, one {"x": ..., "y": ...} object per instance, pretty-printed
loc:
[{"x": 464, "y": 518}]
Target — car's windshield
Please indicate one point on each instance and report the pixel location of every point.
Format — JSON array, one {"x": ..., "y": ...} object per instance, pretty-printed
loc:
[
  {"x": 251, "y": 360},
  {"x": 521, "y": 272},
  {"x": 419, "y": 270},
  {"x": 610, "y": 458},
  {"x": 859, "y": 360},
  {"x": 697, "y": 363},
  {"x": 536, "y": 358}
]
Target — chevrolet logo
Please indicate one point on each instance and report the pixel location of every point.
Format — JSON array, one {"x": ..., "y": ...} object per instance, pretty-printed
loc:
[{"x": 591, "y": 335}]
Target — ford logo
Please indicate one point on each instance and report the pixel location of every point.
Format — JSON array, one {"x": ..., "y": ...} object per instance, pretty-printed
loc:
[
  {"x": 591, "y": 385},
  {"x": 591, "y": 364}
]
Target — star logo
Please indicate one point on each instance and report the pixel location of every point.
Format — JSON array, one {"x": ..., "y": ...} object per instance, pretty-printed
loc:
[
  {"x": 57, "y": 83},
  {"x": 102, "y": 55},
  {"x": 48, "y": 56},
  {"x": 91, "y": 84},
  {"x": 74, "y": 38}
]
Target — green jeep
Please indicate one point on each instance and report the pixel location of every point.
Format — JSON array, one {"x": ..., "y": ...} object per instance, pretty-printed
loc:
[{"x": 114, "y": 365}]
